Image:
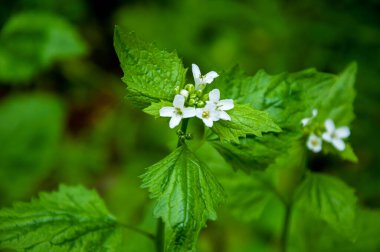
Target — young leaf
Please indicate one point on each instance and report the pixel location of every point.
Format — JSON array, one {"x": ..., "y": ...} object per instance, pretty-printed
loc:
[
  {"x": 31, "y": 128},
  {"x": 330, "y": 199},
  {"x": 154, "y": 108},
  {"x": 32, "y": 41},
  {"x": 187, "y": 194},
  {"x": 72, "y": 219},
  {"x": 244, "y": 120},
  {"x": 151, "y": 74}
]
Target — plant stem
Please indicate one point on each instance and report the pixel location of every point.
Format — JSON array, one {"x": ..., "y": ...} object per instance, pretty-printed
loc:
[
  {"x": 137, "y": 230},
  {"x": 286, "y": 227},
  {"x": 160, "y": 236},
  {"x": 160, "y": 230}
]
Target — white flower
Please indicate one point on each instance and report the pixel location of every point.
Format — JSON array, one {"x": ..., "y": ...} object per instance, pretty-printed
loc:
[
  {"x": 335, "y": 135},
  {"x": 202, "y": 79},
  {"x": 177, "y": 112},
  {"x": 314, "y": 143},
  {"x": 208, "y": 114},
  {"x": 184, "y": 93},
  {"x": 221, "y": 105},
  {"x": 306, "y": 121}
]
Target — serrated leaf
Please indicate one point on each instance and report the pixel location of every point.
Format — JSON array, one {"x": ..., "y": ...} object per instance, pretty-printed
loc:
[
  {"x": 32, "y": 41},
  {"x": 248, "y": 196},
  {"x": 187, "y": 194},
  {"x": 31, "y": 128},
  {"x": 154, "y": 108},
  {"x": 150, "y": 73},
  {"x": 245, "y": 120},
  {"x": 71, "y": 219},
  {"x": 329, "y": 199}
]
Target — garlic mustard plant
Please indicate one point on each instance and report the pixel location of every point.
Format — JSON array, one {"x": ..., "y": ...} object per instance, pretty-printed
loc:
[
  {"x": 220, "y": 105},
  {"x": 307, "y": 120},
  {"x": 335, "y": 135}
]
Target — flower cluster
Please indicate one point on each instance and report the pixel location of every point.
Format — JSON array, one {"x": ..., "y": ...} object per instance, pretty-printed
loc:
[
  {"x": 331, "y": 134},
  {"x": 191, "y": 101}
]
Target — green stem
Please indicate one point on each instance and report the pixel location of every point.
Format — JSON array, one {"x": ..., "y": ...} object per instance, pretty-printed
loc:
[
  {"x": 137, "y": 230},
  {"x": 286, "y": 228},
  {"x": 160, "y": 230}
]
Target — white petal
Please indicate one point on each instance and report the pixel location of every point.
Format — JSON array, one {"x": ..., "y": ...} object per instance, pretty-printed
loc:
[
  {"x": 179, "y": 101},
  {"x": 214, "y": 115},
  {"x": 327, "y": 137},
  {"x": 305, "y": 121},
  {"x": 184, "y": 93},
  {"x": 314, "y": 112},
  {"x": 188, "y": 112},
  {"x": 208, "y": 122},
  {"x": 339, "y": 144},
  {"x": 199, "y": 112},
  {"x": 226, "y": 104},
  {"x": 314, "y": 143},
  {"x": 330, "y": 126},
  {"x": 214, "y": 95},
  {"x": 343, "y": 132},
  {"x": 167, "y": 111},
  {"x": 224, "y": 116},
  {"x": 210, "y": 76},
  {"x": 176, "y": 119},
  {"x": 196, "y": 73}
]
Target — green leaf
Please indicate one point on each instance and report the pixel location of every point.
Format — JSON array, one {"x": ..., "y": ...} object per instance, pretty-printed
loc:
[
  {"x": 154, "y": 108},
  {"x": 337, "y": 104},
  {"x": 33, "y": 41},
  {"x": 187, "y": 194},
  {"x": 256, "y": 153},
  {"x": 150, "y": 73},
  {"x": 31, "y": 127},
  {"x": 329, "y": 199},
  {"x": 245, "y": 120},
  {"x": 72, "y": 219},
  {"x": 249, "y": 196}
]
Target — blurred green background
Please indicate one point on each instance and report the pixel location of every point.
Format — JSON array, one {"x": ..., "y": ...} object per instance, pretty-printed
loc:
[{"x": 64, "y": 119}]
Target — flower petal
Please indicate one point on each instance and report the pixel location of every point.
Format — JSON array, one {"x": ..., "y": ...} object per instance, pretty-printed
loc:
[
  {"x": 214, "y": 95},
  {"x": 176, "y": 119},
  {"x": 196, "y": 73},
  {"x": 314, "y": 112},
  {"x": 188, "y": 112},
  {"x": 179, "y": 101},
  {"x": 330, "y": 126},
  {"x": 305, "y": 121},
  {"x": 210, "y": 76},
  {"x": 343, "y": 132},
  {"x": 184, "y": 93},
  {"x": 327, "y": 137},
  {"x": 199, "y": 112},
  {"x": 226, "y": 104},
  {"x": 338, "y": 144},
  {"x": 208, "y": 122},
  {"x": 224, "y": 116},
  {"x": 167, "y": 111}
]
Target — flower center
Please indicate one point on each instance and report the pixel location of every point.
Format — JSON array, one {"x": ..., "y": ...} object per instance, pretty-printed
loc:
[
  {"x": 206, "y": 114},
  {"x": 314, "y": 142},
  {"x": 178, "y": 111}
]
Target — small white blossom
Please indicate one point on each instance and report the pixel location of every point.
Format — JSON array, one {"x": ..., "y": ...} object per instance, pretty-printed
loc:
[
  {"x": 177, "y": 112},
  {"x": 314, "y": 143},
  {"x": 208, "y": 114},
  {"x": 184, "y": 93},
  {"x": 202, "y": 79},
  {"x": 307, "y": 120},
  {"x": 221, "y": 105},
  {"x": 335, "y": 135}
]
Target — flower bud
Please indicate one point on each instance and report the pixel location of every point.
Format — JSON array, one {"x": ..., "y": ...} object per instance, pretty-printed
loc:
[
  {"x": 205, "y": 97},
  {"x": 199, "y": 93},
  {"x": 190, "y": 88},
  {"x": 193, "y": 96},
  {"x": 201, "y": 86},
  {"x": 191, "y": 102},
  {"x": 200, "y": 104},
  {"x": 184, "y": 92}
]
